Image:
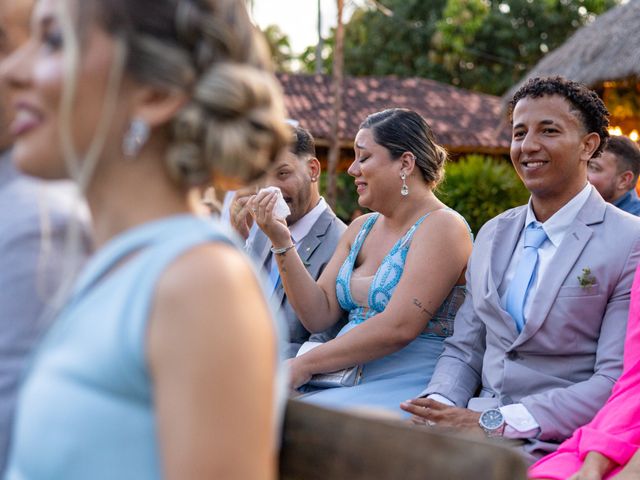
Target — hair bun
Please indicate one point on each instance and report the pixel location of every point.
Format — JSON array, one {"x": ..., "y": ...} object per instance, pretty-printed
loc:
[{"x": 233, "y": 126}]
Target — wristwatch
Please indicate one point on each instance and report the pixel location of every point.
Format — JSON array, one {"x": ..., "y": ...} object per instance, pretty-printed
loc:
[{"x": 492, "y": 422}]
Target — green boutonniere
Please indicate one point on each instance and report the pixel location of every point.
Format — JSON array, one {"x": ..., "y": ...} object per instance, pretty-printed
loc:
[{"x": 586, "y": 279}]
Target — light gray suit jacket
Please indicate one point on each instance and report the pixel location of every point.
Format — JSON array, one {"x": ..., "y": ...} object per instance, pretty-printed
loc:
[
  {"x": 315, "y": 250},
  {"x": 31, "y": 264},
  {"x": 563, "y": 364}
]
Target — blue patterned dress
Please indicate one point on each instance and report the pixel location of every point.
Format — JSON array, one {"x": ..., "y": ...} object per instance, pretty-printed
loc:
[{"x": 392, "y": 379}]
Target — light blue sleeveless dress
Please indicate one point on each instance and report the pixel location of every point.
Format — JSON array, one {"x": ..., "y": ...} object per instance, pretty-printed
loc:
[
  {"x": 390, "y": 380},
  {"x": 85, "y": 410}
]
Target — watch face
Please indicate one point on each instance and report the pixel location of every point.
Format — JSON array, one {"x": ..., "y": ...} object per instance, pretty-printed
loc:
[{"x": 492, "y": 419}]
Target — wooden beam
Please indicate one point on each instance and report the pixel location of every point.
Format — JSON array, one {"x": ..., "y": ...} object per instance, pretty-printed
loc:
[{"x": 321, "y": 444}]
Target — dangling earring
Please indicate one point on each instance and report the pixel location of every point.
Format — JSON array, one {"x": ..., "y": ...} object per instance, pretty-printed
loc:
[
  {"x": 404, "y": 191},
  {"x": 135, "y": 138}
]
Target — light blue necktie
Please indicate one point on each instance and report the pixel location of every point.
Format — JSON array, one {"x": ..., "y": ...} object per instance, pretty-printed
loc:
[
  {"x": 274, "y": 276},
  {"x": 534, "y": 237}
]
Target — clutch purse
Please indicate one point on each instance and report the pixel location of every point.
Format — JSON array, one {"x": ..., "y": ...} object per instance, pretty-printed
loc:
[{"x": 347, "y": 377}]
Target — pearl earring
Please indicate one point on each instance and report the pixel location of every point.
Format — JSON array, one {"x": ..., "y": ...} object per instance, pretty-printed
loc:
[{"x": 135, "y": 138}]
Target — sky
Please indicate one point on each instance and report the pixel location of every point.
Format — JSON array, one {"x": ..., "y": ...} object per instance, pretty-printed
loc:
[{"x": 298, "y": 18}]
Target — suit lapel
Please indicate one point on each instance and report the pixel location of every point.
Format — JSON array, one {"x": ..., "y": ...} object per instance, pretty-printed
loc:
[
  {"x": 505, "y": 238},
  {"x": 566, "y": 256},
  {"x": 314, "y": 238}
]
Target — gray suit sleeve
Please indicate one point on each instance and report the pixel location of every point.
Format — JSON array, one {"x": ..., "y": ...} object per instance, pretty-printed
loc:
[
  {"x": 457, "y": 375},
  {"x": 560, "y": 411}
]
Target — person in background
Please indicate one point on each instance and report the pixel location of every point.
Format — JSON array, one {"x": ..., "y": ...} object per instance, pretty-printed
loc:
[
  {"x": 154, "y": 363},
  {"x": 315, "y": 229},
  {"x": 398, "y": 272},
  {"x": 541, "y": 332},
  {"x": 35, "y": 217},
  {"x": 615, "y": 173}
]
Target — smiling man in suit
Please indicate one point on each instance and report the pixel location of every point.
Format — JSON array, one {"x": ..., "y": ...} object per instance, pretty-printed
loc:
[
  {"x": 538, "y": 342},
  {"x": 314, "y": 227}
]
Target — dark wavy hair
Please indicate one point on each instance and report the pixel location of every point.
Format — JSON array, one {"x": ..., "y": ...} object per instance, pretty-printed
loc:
[
  {"x": 303, "y": 143},
  {"x": 587, "y": 105},
  {"x": 401, "y": 130}
]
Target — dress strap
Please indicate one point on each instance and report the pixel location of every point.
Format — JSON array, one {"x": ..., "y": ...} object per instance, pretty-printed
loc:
[
  {"x": 364, "y": 231},
  {"x": 406, "y": 239},
  {"x": 130, "y": 242}
]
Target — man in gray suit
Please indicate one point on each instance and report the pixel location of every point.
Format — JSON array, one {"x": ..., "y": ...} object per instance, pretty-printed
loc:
[
  {"x": 33, "y": 220},
  {"x": 314, "y": 227},
  {"x": 538, "y": 342}
]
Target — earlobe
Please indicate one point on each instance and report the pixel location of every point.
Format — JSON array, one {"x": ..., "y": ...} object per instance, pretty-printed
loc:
[{"x": 314, "y": 168}]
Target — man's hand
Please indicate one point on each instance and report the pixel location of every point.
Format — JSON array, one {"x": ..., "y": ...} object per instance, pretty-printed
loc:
[
  {"x": 240, "y": 213},
  {"x": 429, "y": 412}
]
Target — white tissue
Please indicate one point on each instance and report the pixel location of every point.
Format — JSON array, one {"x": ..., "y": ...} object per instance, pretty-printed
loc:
[{"x": 281, "y": 210}]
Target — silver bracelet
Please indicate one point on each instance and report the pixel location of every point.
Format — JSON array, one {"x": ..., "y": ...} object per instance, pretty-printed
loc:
[{"x": 283, "y": 250}]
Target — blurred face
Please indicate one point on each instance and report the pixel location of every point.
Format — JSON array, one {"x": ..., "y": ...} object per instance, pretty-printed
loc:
[
  {"x": 376, "y": 174},
  {"x": 292, "y": 176},
  {"x": 603, "y": 174},
  {"x": 35, "y": 76},
  {"x": 14, "y": 30},
  {"x": 548, "y": 148}
]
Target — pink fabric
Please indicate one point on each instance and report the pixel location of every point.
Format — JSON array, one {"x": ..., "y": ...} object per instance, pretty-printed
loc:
[{"x": 615, "y": 430}]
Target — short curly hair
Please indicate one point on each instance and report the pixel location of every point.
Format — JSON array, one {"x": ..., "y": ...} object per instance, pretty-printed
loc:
[{"x": 587, "y": 105}]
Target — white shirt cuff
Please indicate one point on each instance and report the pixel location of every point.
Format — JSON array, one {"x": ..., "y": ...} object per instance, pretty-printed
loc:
[
  {"x": 439, "y": 398},
  {"x": 519, "y": 422}
]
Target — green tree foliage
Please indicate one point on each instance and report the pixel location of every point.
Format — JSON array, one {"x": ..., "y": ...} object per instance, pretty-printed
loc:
[
  {"x": 479, "y": 188},
  {"x": 483, "y": 45},
  {"x": 488, "y": 45},
  {"x": 280, "y": 47},
  {"x": 308, "y": 56},
  {"x": 347, "y": 196}
]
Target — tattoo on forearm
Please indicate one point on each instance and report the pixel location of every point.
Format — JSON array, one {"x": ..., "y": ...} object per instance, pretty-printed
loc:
[{"x": 422, "y": 309}]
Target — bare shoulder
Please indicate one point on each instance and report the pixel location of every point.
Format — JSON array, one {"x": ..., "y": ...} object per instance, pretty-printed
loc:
[
  {"x": 447, "y": 224},
  {"x": 208, "y": 291},
  {"x": 354, "y": 227},
  {"x": 216, "y": 264}
]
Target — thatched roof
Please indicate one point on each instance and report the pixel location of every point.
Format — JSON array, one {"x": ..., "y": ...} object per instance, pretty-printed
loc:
[{"x": 607, "y": 49}]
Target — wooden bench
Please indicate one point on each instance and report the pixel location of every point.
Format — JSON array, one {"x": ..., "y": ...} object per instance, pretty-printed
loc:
[{"x": 320, "y": 444}]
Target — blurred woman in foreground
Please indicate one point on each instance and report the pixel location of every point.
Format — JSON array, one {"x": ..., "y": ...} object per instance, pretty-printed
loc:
[{"x": 153, "y": 365}]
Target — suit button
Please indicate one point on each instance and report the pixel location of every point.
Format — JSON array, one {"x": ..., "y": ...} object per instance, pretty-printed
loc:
[
  {"x": 513, "y": 356},
  {"x": 506, "y": 400}
]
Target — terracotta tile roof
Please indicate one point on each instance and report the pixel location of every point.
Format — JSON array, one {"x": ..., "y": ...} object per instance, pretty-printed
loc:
[{"x": 461, "y": 120}]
